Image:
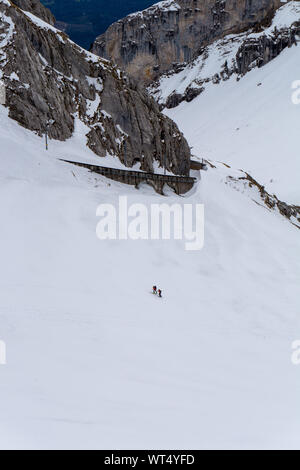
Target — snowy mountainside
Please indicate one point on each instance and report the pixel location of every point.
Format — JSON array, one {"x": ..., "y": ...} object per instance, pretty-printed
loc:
[
  {"x": 148, "y": 43},
  {"x": 37, "y": 8},
  {"x": 251, "y": 123},
  {"x": 94, "y": 360},
  {"x": 228, "y": 56},
  {"x": 243, "y": 182},
  {"x": 50, "y": 81},
  {"x": 163, "y": 6}
]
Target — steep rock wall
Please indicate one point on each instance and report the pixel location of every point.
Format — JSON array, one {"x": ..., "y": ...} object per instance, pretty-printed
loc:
[
  {"x": 49, "y": 79},
  {"x": 148, "y": 43}
]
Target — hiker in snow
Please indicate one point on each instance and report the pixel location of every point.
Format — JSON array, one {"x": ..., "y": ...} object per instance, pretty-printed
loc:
[
  {"x": 154, "y": 291},
  {"x": 159, "y": 293}
]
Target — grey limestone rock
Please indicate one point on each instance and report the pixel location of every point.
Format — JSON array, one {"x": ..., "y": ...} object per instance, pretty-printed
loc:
[{"x": 49, "y": 79}]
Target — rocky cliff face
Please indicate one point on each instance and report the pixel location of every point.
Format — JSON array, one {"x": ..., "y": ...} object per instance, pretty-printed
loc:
[
  {"x": 148, "y": 43},
  {"x": 233, "y": 55},
  {"x": 51, "y": 81},
  {"x": 35, "y": 7},
  {"x": 256, "y": 52}
]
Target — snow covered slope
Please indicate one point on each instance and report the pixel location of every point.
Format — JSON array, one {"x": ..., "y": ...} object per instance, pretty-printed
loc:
[
  {"x": 218, "y": 61},
  {"x": 251, "y": 123},
  {"x": 95, "y": 361}
]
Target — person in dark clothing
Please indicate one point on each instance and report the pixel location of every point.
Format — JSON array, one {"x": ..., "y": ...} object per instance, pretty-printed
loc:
[
  {"x": 159, "y": 293},
  {"x": 154, "y": 290}
]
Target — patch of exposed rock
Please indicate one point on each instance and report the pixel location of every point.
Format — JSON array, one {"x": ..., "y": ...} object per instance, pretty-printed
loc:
[
  {"x": 148, "y": 43},
  {"x": 258, "y": 52},
  {"x": 233, "y": 55},
  {"x": 36, "y": 7},
  {"x": 51, "y": 80},
  {"x": 270, "y": 201}
]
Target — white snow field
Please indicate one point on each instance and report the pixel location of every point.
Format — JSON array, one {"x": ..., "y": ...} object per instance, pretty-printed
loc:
[
  {"x": 96, "y": 361},
  {"x": 253, "y": 123}
]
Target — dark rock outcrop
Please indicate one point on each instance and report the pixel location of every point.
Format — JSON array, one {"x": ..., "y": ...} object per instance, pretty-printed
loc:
[
  {"x": 148, "y": 43},
  {"x": 35, "y": 7},
  {"x": 270, "y": 201},
  {"x": 51, "y": 81},
  {"x": 246, "y": 52},
  {"x": 190, "y": 93},
  {"x": 260, "y": 51}
]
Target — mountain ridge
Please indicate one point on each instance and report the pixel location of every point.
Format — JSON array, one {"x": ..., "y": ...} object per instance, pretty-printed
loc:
[
  {"x": 148, "y": 43},
  {"x": 233, "y": 55},
  {"x": 50, "y": 81}
]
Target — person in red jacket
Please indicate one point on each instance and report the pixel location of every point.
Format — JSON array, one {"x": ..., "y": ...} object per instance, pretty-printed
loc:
[
  {"x": 159, "y": 293},
  {"x": 154, "y": 290}
]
